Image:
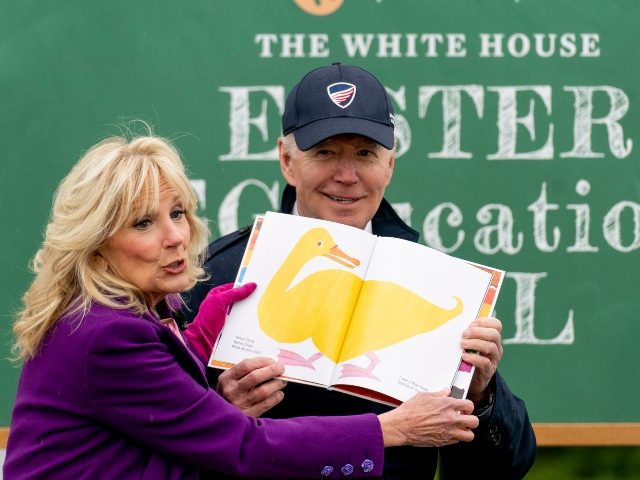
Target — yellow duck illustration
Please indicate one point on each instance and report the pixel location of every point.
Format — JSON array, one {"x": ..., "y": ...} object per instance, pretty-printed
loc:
[
  {"x": 386, "y": 314},
  {"x": 321, "y": 305},
  {"x": 317, "y": 307}
]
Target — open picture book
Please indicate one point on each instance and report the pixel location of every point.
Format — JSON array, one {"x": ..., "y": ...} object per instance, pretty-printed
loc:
[{"x": 377, "y": 317}]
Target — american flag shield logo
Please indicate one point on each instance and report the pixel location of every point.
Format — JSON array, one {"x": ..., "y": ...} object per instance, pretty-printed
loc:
[{"x": 342, "y": 93}]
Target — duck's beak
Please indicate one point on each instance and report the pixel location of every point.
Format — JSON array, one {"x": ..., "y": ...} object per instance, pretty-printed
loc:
[{"x": 342, "y": 258}]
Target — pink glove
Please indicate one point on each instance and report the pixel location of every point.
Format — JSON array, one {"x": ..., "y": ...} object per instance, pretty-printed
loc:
[{"x": 203, "y": 331}]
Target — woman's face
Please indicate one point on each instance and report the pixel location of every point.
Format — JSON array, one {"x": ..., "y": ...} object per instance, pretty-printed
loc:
[{"x": 151, "y": 252}]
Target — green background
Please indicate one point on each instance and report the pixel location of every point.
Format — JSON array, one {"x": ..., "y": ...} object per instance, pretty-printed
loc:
[{"x": 74, "y": 72}]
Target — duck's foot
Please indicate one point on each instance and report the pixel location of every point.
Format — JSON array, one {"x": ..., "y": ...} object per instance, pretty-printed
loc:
[
  {"x": 350, "y": 370},
  {"x": 289, "y": 357}
]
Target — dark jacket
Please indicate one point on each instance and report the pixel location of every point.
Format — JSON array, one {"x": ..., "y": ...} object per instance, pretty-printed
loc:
[{"x": 504, "y": 446}]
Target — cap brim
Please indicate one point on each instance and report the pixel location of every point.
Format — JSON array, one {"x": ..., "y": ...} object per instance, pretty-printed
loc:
[{"x": 315, "y": 132}]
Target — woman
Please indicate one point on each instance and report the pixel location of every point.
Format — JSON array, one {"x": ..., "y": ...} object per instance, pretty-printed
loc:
[{"x": 111, "y": 389}]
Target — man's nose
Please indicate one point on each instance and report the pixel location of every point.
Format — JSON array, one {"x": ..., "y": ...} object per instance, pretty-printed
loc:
[{"x": 346, "y": 170}]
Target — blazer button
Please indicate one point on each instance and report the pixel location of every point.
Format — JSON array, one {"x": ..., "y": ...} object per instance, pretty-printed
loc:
[
  {"x": 347, "y": 469},
  {"x": 326, "y": 471},
  {"x": 367, "y": 465}
]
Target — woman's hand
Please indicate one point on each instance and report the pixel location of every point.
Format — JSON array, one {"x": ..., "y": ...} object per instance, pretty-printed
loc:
[
  {"x": 429, "y": 420},
  {"x": 251, "y": 385},
  {"x": 203, "y": 331}
]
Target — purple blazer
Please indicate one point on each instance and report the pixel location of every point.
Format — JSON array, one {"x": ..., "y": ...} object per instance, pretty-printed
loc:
[{"x": 118, "y": 395}]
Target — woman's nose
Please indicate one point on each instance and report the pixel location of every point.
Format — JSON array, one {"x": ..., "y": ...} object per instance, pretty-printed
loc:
[{"x": 173, "y": 235}]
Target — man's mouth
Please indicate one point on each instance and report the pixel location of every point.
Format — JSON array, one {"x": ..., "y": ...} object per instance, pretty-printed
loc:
[{"x": 345, "y": 200}]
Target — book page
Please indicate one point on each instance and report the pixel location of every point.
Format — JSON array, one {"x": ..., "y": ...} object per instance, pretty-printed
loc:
[
  {"x": 406, "y": 330},
  {"x": 309, "y": 273}
]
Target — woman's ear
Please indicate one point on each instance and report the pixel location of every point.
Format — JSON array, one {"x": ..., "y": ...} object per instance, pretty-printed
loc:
[{"x": 101, "y": 263}]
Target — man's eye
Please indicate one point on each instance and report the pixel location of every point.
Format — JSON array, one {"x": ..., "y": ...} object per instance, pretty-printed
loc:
[{"x": 365, "y": 153}]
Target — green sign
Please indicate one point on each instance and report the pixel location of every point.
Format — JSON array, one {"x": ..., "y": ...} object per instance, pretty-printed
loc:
[{"x": 517, "y": 129}]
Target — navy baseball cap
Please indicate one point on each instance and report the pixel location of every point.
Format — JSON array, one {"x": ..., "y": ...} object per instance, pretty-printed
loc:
[{"x": 338, "y": 99}]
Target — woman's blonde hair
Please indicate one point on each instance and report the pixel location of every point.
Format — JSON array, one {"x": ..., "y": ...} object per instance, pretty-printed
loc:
[{"x": 116, "y": 181}]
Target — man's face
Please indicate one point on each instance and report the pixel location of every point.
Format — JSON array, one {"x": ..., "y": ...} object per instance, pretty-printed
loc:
[{"x": 341, "y": 179}]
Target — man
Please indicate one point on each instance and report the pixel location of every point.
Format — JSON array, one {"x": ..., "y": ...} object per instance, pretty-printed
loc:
[{"x": 337, "y": 156}]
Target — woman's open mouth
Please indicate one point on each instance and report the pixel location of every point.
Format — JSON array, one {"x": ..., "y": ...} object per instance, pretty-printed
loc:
[{"x": 178, "y": 266}]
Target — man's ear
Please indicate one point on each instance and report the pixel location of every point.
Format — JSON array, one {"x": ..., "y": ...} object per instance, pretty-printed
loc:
[
  {"x": 392, "y": 164},
  {"x": 285, "y": 163}
]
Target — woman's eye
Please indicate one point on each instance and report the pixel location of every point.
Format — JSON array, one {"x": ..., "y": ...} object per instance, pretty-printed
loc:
[
  {"x": 142, "y": 224},
  {"x": 177, "y": 214}
]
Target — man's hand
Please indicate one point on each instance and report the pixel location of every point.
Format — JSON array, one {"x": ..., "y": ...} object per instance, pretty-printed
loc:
[
  {"x": 251, "y": 385},
  {"x": 429, "y": 420},
  {"x": 484, "y": 337}
]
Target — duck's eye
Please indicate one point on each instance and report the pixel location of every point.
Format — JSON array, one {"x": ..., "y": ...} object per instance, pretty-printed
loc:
[{"x": 319, "y": 244}]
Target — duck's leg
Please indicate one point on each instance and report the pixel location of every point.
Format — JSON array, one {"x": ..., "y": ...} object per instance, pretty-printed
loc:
[
  {"x": 351, "y": 370},
  {"x": 289, "y": 357}
]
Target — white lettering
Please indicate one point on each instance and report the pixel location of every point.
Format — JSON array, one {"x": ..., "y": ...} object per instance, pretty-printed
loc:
[
  {"x": 432, "y": 41},
  {"x": 402, "y": 130},
  {"x": 583, "y": 217},
  {"x": 590, "y": 46},
  {"x": 431, "y": 227},
  {"x": 491, "y": 45},
  {"x": 508, "y": 121},
  {"x": 411, "y": 45},
  {"x": 404, "y": 210},
  {"x": 612, "y": 229},
  {"x": 318, "y": 47},
  {"x": 434, "y": 44},
  {"x": 252, "y": 107},
  {"x": 292, "y": 45},
  {"x": 357, "y": 43},
  {"x": 583, "y": 122},
  {"x": 568, "y": 45},
  {"x": 539, "y": 39},
  {"x": 451, "y": 114},
  {"x": 503, "y": 230},
  {"x": 455, "y": 45},
  {"x": 200, "y": 188},
  {"x": 539, "y": 208},
  {"x": 525, "y": 313},
  {"x": 389, "y": 45},
  {"x": 518, "y": 45},
  {"x": 265, "y": 40},
  {"x": 228, "y": 213},
  {"x": 240, "y": 121}
]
